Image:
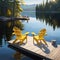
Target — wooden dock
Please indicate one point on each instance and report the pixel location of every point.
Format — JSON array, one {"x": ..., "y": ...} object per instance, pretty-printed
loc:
[
  {"x": 37, "y": 52},
  {"x": 4, "y": 19}
]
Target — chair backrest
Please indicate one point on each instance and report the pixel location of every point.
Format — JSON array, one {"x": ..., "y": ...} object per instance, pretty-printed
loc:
[
  {"x": 17, "y": 31},
  {"x": 42, "y": 33}
]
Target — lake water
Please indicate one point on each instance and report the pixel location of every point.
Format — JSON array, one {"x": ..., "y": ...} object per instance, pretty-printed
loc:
[{"x": 35, "y": 24}]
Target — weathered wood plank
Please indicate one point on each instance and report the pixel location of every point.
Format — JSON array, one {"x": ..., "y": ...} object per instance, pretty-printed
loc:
[
  {"x": 57, "y": 55},
  {"x": 54, "y": 53}
]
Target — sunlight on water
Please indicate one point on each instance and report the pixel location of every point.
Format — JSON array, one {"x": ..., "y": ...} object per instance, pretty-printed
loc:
[{"x": 36, "y": 25}]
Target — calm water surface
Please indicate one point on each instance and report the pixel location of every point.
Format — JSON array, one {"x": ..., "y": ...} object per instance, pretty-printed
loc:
[{"x": 33, "y": 25}]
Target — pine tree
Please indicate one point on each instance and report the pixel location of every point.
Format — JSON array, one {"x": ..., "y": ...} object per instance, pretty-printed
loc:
[{"x": 11, "y": 8}]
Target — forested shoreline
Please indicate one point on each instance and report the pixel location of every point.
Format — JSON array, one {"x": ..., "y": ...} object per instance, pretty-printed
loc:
[{"x": 49, "y": 7}]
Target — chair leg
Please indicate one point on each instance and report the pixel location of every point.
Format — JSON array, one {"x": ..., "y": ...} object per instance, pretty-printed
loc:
[
  {"x": 44, "y": 41},
  {"x": 21, "y": 42},
  {"x": 14, "y": 40},
  {"x": 26, "y": 39},
  {"x": 33, "y": 41},
  {"x": 36, "y": 41}
]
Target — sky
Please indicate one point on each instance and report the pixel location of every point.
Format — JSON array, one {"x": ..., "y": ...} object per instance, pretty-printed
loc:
[{"x": 34, "y": 1}]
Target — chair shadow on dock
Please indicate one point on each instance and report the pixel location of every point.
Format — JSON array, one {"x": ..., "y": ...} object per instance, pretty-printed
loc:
[
  {"x": 18, "y": 43},
  {"x": 43, "y": 47}
]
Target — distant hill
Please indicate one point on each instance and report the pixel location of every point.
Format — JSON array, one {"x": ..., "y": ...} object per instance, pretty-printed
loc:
[{"x": 29, "y": 7}]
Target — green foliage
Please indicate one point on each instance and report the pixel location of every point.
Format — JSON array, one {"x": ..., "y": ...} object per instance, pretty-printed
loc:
[
  {"x": 11, "y": 8},
  {"x": 49, "y": 7}
]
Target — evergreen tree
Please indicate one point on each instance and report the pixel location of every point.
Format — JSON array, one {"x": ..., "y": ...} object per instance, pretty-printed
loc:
[{"x": 11, "y": 8}]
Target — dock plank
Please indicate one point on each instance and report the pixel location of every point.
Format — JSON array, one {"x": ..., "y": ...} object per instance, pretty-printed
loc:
[{"x": 54, "y": 53}]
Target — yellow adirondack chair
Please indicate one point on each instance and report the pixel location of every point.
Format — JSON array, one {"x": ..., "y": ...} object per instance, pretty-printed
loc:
[
  {"x": 19, "y": 35},
  {"x": 40, "y": 37}
]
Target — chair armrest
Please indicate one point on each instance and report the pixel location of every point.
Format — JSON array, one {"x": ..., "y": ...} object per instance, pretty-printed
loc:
[
  {"x": 46, "y": 34},
  {"x": 13, "y": 33},
  {"x": 33, "y": 33},
  {"x": 26, "y": 33}
]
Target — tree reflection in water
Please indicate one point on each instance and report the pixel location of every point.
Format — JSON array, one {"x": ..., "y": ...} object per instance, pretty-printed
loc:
[
  {"x": 53, "y": 19},
  {"x": 6, "y": 29}
]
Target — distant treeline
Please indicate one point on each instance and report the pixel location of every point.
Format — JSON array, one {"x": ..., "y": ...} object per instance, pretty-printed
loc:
[{"x": 49, "y": 7}]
